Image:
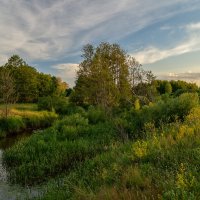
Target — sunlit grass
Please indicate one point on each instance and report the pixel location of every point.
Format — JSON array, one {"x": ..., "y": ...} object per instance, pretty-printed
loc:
[{"x": 25, "y": 116}]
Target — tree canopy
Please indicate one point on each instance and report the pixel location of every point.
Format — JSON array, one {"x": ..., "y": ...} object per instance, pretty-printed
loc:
[
  {"x": 31, "y": 84},
  {"x": 108, "y": 76}
]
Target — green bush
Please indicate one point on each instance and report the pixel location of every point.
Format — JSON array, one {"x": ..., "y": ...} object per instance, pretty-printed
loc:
[
  {"x": 57, "y": 104},
  {"x": 41, "y": 119},
  {"x": 96, "y": 114},
  {"x": 162, "y": 112},
  {"x": 164, "y": 166}
]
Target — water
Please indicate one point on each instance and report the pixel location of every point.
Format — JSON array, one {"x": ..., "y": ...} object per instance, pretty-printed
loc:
[{"x": 8, "y": 191}]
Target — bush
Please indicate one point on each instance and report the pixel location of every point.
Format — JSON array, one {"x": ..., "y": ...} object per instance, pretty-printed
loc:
[
  {"x": 22, "y": 120},
  {"x": 162, "y": 112},
  {"x": 96, "y": 114},
  {"x": 57, "y": 104}
]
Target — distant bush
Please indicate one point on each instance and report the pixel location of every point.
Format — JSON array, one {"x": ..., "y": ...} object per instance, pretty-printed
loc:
[
  {"x": 60, "y": 105},
  {"x": 96, "y": 114},
  {"x": 57, "y": 104},
  {"x": 167, "y": 111}
]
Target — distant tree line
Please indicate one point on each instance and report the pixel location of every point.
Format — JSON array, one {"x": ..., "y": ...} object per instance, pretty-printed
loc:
[
  {"x": 28, "y": 85},
  {"x": 107, "y": 77}
]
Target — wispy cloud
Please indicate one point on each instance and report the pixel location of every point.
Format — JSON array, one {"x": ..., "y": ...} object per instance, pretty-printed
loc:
[
  {"x": 186, "y": 76},
  {"x": 44, "y": 30},
  {"x": 191, "y": 43},
  {"x": 55, "y": 31}
]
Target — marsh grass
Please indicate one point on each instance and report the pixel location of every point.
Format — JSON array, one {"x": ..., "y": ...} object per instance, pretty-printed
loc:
[
  {"x": 163, "y": 166},
  {"x": 59, "y": 148},
  {"x": 86, "y": 159},
  {"x": 25, "y": 116}
]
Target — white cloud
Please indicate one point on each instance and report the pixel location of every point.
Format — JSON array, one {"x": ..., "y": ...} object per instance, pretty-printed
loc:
[
  {"x": 67, "y": 71},
  {"x": 193, "y": 27},
  {"x": 45, "y": 30}
]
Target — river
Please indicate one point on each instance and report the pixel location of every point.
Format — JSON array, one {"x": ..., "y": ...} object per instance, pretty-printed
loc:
[{"x": 9, "y": 191}]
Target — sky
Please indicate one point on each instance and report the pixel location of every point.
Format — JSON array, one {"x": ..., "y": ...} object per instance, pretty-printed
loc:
[{"x": 164, "y": 36}]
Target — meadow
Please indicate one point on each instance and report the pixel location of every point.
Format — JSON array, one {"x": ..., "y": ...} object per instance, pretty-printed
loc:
[
  {"x": 119, "y": 133},
  {"x": 90, "y": 155}
]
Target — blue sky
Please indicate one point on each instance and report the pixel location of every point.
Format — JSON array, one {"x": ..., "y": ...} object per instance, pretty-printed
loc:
[{"x": 164, "y": 36}]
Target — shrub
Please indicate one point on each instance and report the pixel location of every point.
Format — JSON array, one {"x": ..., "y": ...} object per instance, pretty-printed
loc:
[
  {"x": 96, "y": 114},
  {"x": 162, "y": 112},
  {"x": 57, "y": 104}
]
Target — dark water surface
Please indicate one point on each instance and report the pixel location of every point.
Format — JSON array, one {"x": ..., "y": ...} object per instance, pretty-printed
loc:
[{"x": 8, "y": 191}]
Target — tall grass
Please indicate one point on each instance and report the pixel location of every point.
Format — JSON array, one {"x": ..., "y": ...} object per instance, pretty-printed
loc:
[
  {"x": 20, "y": 120},
  {"x": 95, "y": 162},
  {"x": 57, "y": 149},
  {"x": 163, "y": 166}
]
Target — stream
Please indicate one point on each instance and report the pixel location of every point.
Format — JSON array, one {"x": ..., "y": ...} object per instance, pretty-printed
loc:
[{"x": 12, "y": 191}]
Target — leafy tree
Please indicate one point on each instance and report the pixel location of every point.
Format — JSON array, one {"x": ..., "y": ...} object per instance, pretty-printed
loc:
[
  {"x": 26, "y": 79},
  {"x": 14, "y": 62},
  {"x": 30, "y": 84},
  {"x": 109, "y": 77},
  {"x": 103, "y": 76},
  {"x": 168, "y": 88},
  {"x": 44, "y": 85}
]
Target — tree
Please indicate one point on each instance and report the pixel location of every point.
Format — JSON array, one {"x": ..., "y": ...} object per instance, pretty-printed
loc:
[
  {"x": 103, "y": 76},
  {"x": 168, "y": 88},
  {"x": 44, "y": 85},
  {"x": 26, "y": 79},
  {"x": 14, "y": 62},
  {"x": 30, "y": 84},
  {"x": 109, "y": 77},
  {"x": 7, "y": 90}
]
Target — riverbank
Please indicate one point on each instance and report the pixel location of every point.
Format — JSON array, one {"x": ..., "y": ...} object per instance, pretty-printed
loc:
[
  {"x": 24, "y": 117},
  {"x": 9, "y": 191}
]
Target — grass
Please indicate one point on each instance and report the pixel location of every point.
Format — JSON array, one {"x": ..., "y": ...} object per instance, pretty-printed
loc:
[
  {"x": 25, "y": 106},
  {"x": 57, "y": 149},
  {"x": 25, "y": 116},
  {"x": 165, "y": 165},
  {"x": 87, "y": 156}
]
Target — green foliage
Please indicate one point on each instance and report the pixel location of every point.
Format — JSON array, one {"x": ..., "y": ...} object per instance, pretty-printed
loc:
[
  {"x": 103, "y": 76},
  {"x": 57, "y": 104},
  {"x": 137, "y": 104},
  {"x": 168, "y": 88},
  {"x": 60, "y": 105},
  {"x": 177, "y": 87},
  {"x": 163, "y": 166},
  {"x": 96, "y": 115},
  {"x": 57, "y": 149},
  {"x": 11, "y": 124},
  {"x": 162, "y": 112},
  {"x": 22, "y": 120},
  {"x": 30, "y": 84}
]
